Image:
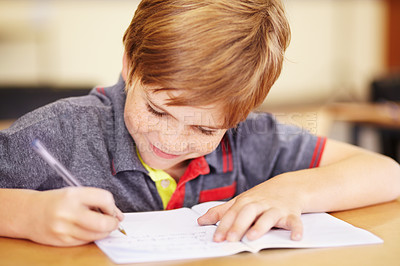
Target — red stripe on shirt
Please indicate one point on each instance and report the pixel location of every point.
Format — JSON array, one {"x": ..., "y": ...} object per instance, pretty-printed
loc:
[
  {"x": 227, "y": 161},
  {"x": 315, "y": 153},
  {"x": 101, "y": 90},
  {"x": 221, "y": 193},
  {"x": 224, "y": 158},
  {"x": 319, "y": 147},
  {"x": 113, "y": 172},
  {"x": 321, "y": 151},
  {"x": 196, "y": 167},
  {"x": 230, "y": 168}
]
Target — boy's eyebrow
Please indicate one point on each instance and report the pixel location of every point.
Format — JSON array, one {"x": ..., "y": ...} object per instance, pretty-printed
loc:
[{"x": 165, "y": 111}]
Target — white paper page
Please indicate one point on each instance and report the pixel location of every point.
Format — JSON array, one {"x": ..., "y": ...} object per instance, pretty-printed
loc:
[
  {"x": 320, "y": 230},
  {"x": 202, "y": 208},
  {"x": 164, "y": 235},
  {"x": 173, "y": 235}
]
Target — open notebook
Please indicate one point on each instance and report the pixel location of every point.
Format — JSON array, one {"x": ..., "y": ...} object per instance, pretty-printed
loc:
[{"x": 175, "y": 234}]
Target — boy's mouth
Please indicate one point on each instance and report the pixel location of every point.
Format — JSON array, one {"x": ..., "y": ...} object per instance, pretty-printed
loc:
[{"x": 162, "y": 154}]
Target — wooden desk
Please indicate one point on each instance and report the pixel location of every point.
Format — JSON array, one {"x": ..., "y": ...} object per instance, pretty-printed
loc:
[
  {"x": 318, "y": 119},
  {"x": 386, "y": 115},
  {"x": 382, "y": 220},
  {"x": 384, "y": 118},
  {"x": 5, "y": 124}
]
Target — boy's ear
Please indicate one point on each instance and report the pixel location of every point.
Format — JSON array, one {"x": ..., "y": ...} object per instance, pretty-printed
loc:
[{"x": 125, "y": 67}]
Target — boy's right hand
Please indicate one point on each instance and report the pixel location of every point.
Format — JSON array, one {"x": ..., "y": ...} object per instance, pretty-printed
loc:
[{"x": 68, "y": 216}]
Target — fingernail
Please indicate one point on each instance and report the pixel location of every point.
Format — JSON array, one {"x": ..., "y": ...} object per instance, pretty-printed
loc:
[
  {"x": 232, "y": 237},
  {"x": 297, "y": 237},
  {"x": 252, "y": 234}
]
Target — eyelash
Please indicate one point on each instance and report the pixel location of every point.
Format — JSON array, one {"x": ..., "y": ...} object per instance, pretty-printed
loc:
[
  {"x": 160, "y": 114},
  {"x": 205, "y": 132},
  {"x": 154, "y": 112}
]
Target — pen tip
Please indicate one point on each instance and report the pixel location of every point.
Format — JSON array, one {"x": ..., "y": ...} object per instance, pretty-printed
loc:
[{"x": 122, "y": 230}]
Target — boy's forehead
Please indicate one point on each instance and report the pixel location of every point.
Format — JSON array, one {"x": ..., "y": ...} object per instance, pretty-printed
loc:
[{"x": 162, "y": 96}]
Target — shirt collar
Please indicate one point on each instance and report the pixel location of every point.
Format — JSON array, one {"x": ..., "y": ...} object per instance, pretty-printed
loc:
[{"x": 123, "y": 152}]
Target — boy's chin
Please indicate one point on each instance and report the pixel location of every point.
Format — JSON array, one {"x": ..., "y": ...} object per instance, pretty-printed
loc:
[
  {"x": 173, "y": 164},
  {"x": 163, "y": 164}
]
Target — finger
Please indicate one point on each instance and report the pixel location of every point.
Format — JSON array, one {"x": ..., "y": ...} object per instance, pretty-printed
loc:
[
  {"x": 88, "y": 236},
  {"x": 214, "y": 215},
  {"x": 70, "y": 234},
  {"x": 295, "y": 225},
  {"x": 96, "y": 221},
  {"x": 82, "y": 234},
  {"x": 65, "y": 241},
  {"x": 264, "y": 223},
  {"x": 244, "y": 219},
  {"x": 224, "y": 226},
  {"x": 99, "y": 198}
]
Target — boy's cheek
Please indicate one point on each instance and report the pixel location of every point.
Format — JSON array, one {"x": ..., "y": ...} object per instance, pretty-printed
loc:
[
  {"x": 205, "y": 145},
  {"x": 137, "y": 123}
]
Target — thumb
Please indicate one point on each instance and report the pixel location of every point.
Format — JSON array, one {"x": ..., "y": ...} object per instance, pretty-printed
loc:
[{"x": 214, "y": 215}]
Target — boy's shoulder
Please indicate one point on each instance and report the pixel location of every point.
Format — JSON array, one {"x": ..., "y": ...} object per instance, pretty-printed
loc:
[
  {"x": 262, "y": 123},
  {"x": 263, "y": 130},
  {"x": 110, "y": 96},
  {"x": 256, "y": 122}
]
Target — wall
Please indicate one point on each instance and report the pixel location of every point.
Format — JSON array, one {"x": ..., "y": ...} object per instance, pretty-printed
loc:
[
  {"x": 337, "y": 46},
  {"x": 63, "y": 43}
]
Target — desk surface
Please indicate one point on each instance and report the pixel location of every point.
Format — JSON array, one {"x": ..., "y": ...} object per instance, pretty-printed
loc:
[
  {"x": 5, "y": 124},
  {"x": 382, "y": 220},
  {"x": 385, "y": 115}
]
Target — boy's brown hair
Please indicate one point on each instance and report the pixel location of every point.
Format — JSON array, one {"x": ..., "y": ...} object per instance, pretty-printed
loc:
[{"x": 223, "y": 52}]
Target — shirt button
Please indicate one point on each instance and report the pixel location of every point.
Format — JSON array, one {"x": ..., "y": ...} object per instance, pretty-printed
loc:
[{"x": 165, "y": 183}]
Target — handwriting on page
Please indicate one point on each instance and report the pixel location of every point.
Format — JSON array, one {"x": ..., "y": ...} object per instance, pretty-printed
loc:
[
  {"x": 172, "y": 242},
  {"x": 199, "y": 239}
]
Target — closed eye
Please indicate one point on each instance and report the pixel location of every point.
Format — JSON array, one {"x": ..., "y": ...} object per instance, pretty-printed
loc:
[
  {"x": 205, "y": 131},
  {"x": 155, "y": 112}
]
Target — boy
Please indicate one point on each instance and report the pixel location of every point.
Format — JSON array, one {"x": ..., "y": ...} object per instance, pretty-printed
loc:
[{"x": 175, "y": 131}]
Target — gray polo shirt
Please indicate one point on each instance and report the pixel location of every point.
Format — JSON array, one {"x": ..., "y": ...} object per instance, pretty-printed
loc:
[{"x": 88, "y": 135}]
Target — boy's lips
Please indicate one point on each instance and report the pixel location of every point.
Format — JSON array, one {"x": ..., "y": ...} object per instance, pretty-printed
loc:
[{"x": 162, "y": 154}]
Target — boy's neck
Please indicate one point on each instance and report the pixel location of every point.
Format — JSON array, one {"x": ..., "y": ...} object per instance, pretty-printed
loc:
[{"x": 177, "y": 171}]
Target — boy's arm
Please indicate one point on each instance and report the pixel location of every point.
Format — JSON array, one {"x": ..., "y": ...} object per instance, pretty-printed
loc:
[
  {"x": 62, "y": 217},
  {"x": 348, "y": 177},
  {"x": 351, "y": 177}
]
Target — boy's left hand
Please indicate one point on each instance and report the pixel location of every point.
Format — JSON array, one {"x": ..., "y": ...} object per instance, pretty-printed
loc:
[{"x": 255, "y": 212}]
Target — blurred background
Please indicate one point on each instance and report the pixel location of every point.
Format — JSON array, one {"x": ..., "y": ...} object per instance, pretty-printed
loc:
[{"x": 342, "y": 53}]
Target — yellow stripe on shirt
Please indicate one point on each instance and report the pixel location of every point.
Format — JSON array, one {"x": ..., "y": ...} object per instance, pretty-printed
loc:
[{"x": 165, "y": 184}]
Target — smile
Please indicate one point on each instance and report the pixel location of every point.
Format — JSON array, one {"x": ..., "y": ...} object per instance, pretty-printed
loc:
[{"x": 162, "y": 154}]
